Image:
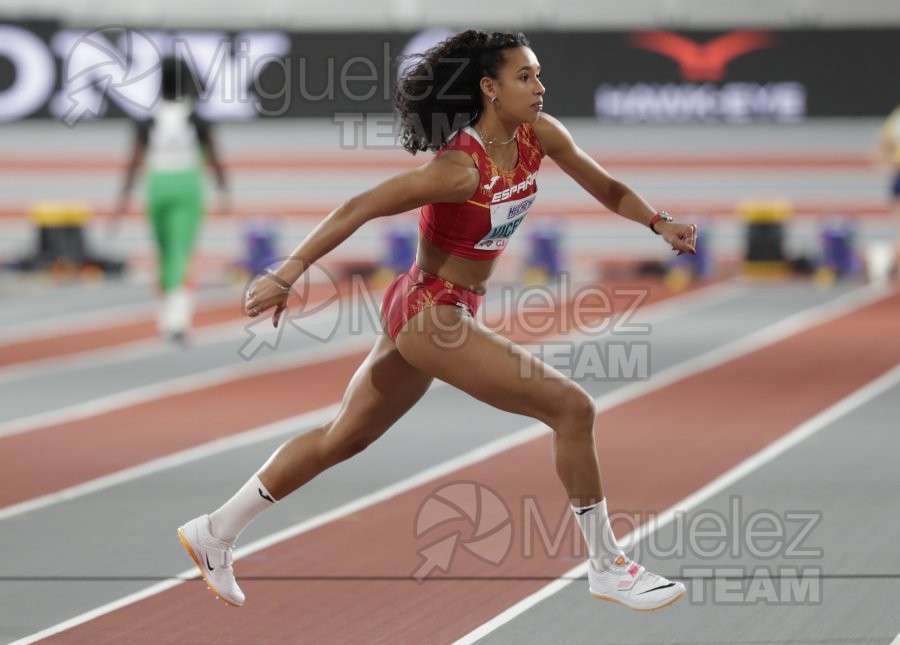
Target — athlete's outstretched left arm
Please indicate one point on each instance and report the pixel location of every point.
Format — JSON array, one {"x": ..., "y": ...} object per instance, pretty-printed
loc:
[
  {"x": 452, "y": 177},
  {"x": 612, "y": 193}
]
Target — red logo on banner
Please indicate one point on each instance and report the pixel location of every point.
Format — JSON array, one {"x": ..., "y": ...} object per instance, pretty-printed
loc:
[{"x": 703, "y": 61}]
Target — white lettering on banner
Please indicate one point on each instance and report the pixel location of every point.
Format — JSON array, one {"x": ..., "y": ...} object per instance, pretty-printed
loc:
[
  {"x": 35, "y": 73},
  {"x": 730, "y": 102},
  {"x": 505, "y": 219},
  {"x": 121, "y": 65},
  {"x": 418, "y": 45},
  {"x": 226, "y": 77},
  {"x": 128, "y": 72},
  {"x": 94, "y": 69}
]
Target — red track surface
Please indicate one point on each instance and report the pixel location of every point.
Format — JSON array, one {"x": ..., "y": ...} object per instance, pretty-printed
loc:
[
  {"x": 138, "y": 433},
  {"x": 61, "y": 343},
  {"x": 874, "y": 208},
  {"x": 587, "y": 209},
  {"x": 347, "y": 581},
  {"x": 396, "y": 161}
]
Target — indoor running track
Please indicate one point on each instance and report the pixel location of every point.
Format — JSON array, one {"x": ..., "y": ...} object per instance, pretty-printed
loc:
[{"x": 775, "y": 399}]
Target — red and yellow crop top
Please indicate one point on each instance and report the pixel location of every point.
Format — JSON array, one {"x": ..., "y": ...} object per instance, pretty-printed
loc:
[{"x": 480, "y": 227}]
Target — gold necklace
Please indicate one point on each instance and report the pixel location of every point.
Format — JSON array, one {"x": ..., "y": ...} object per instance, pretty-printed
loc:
[{"x": 494, "y": 142}]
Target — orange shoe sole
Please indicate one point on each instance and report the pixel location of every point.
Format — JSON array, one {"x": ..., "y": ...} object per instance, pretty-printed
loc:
[
  {"x": 187, "y": 547},
  {"x": 673, "y": 601}
]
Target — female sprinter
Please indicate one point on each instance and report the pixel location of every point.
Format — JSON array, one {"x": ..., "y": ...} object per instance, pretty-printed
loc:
[{"x": 487, "y": 125}]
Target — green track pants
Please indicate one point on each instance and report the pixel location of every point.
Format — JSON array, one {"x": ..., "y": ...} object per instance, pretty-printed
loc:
[{"x": 175, "y": 205}]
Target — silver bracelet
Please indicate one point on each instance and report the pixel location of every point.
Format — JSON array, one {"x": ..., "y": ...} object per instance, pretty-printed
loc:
[{"x": 282, "y": 284}]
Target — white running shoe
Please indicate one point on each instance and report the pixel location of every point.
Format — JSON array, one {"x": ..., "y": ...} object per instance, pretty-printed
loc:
[
  {"x": 213, "y": 557},
  {"x": 630, "y": 584},
  {"x": 175, "y": 313}
]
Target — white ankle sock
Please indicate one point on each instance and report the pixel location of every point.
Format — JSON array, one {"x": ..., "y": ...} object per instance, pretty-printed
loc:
[
  {"x": 227, "y": 522},
  {"x": 598, "y": 534}
]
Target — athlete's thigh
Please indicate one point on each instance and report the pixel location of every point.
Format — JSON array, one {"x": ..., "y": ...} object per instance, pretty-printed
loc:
[
  {"x": 381, "y": 391},
  {"x": 451, "y": 346}
]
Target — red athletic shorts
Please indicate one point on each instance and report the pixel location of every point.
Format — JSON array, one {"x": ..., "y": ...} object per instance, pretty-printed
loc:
[{"x": 415, "y": 291}]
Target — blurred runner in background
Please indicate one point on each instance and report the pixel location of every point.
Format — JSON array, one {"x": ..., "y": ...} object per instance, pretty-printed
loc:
[{"x": 175, "y": 144}]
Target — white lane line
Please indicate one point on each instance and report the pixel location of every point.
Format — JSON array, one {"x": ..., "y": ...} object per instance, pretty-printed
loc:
[
  {"x": 896, "y": 640},
  {"x": 319, "y": 324},
  {"x": 219, "y": 332},
  {"x": 666, "y": 377},
  {"x": 657, "y": 312},
  {"x": 185, "y": 384},
  {"x": 113, "y": 606},
  {"x": 119, "y": 353},
  {"x": 103, "y": 318},
  {"x": 706, "y": 296},
  {"x": 129, "y": 351},
  {"x": 98, "y": 319},
  {"x": 75, "y": 323},
  {"x": 234, "y": 330},
  {"x": 777, "y": 331},
  {"x": 256, "y": 435},
  {"x": 711, "y": 295},
  {"x": 750, "y": 465},
  {"x": 388, "y": 492},
  {"x": 680, "y": 305}
]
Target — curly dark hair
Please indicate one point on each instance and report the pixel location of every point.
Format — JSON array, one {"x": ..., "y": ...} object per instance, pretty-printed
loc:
[{"x": 441, "y": 92}]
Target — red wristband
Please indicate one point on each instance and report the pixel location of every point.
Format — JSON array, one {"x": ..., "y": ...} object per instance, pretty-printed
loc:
[{"x": 661, "y": 216}]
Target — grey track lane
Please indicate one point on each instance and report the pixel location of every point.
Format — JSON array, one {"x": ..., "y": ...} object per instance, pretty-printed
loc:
[
  {"x": 139, "y": 517},
  {"x": 87, "y": 380},
  {"x": 848, "y": 473},
  {"x": 38, "y": 304},
  {"x": 34, "y": 300}
]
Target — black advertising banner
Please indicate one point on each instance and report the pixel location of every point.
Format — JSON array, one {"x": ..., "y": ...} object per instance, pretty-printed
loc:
[
  {"x": 734, "y": 76},
  {"x": 731, "y": 76},
  {"x": 29, "y": 69}
]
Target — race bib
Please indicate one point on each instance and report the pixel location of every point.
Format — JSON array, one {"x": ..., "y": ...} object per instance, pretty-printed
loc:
[{"x": 505, "y": 219}]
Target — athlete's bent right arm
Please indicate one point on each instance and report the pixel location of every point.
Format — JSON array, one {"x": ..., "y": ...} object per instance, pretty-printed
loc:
[{"x": 452, "y": 177}]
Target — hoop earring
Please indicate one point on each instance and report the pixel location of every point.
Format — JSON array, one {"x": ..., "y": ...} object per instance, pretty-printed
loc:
[{"x": 493, "y": 99}]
